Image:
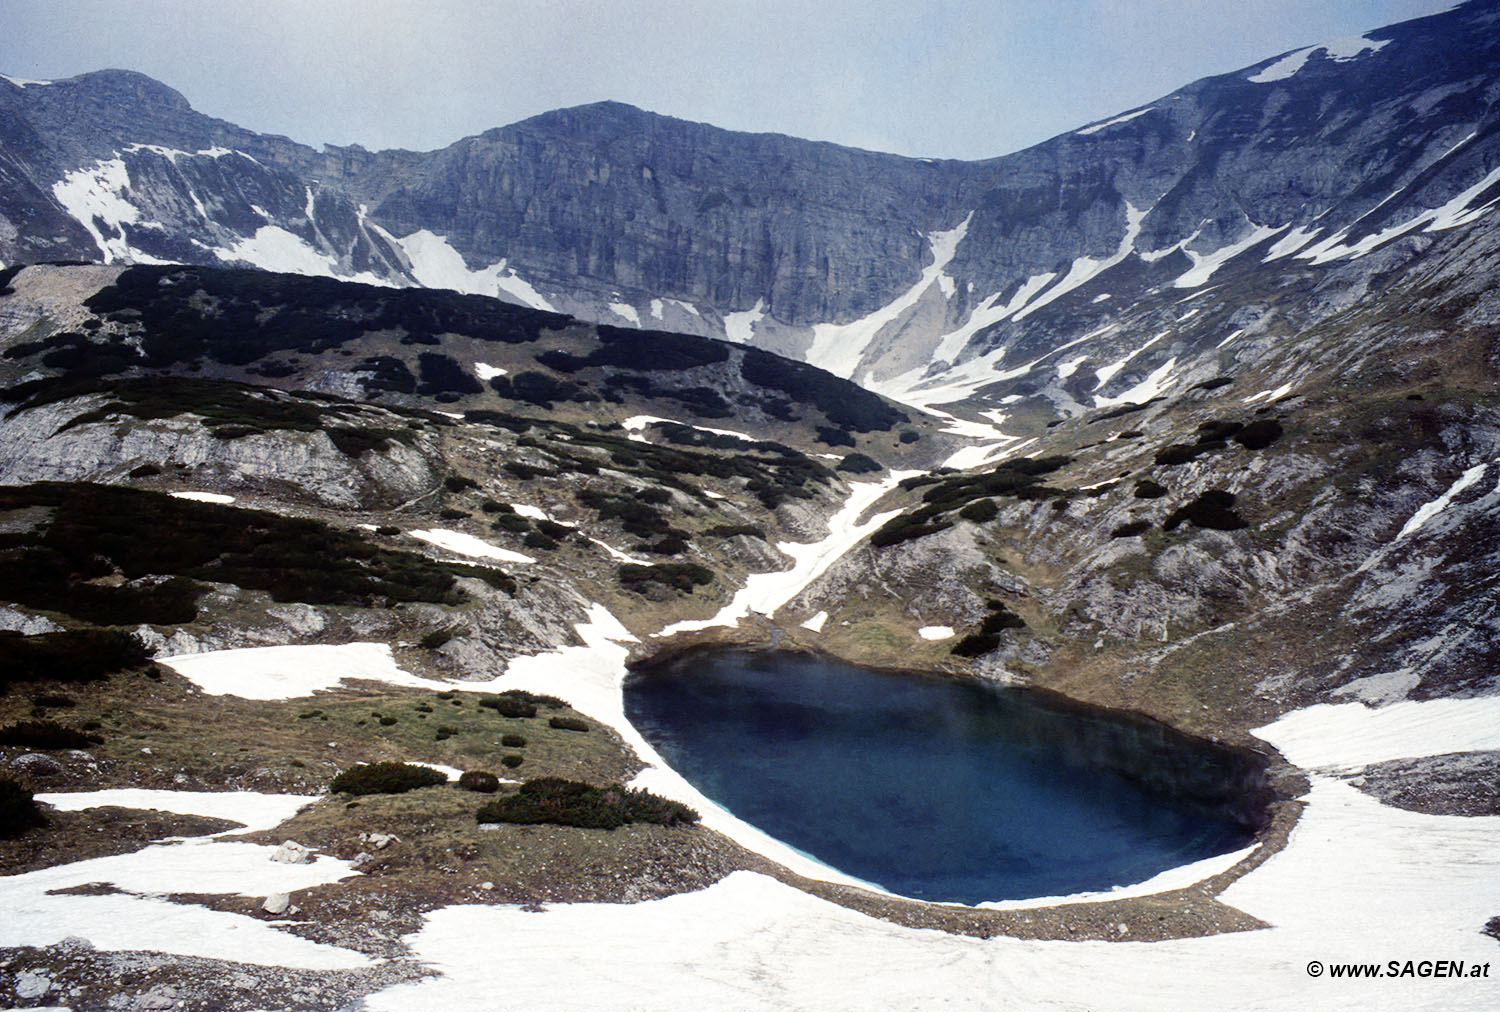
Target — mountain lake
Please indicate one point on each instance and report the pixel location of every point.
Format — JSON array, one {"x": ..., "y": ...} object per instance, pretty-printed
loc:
[{"x": 940, "y": 789}]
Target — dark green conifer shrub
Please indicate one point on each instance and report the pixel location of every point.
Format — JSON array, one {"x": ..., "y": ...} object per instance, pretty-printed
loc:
[
  {"x": 511, "y": 761},
  {"x": 554, "y": 801},
  {"x": 479, "y": 781},
  {"x": 46, "y": 735},
  {"x": 980, "y": 511},
  {"x": 568, "y": 724},
  {"x": 508, "y": 705},
  {"x": 18, "y": 810},
  {"x": 513, "y": 741},
  {"x": 385, "y": 778}
]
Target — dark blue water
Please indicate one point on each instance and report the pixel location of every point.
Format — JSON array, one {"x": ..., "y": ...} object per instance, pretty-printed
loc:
[{"x": 937, "y": 789}]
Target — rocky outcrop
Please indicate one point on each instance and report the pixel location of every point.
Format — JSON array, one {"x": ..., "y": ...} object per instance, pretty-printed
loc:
[{"x": 933, "y": 280}]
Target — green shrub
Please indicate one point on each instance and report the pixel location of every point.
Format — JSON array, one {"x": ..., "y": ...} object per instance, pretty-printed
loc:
[
  {"x": 1259, "y": 434},
  {"x": 457, "y": 483},
  {"x": 859, "y": 463},
  {"x": 54, "y": 701},
  {"x": 680, "y": 576},
  {"x": 980, "y": 511},
  {"x": 445, "y": 731},
  {"x": 558, "y": 802},
  {"x": 1181, "y": 453},
  {"x": 975, "y": 645},
  {"x": 144, "y": 471},
  {"x": 513, "y": 741},
  {"x": 908, "y": 436},
  {"x": 510, "y": 762},
  {"x": 568, "y": 724},
  {"x": 385, "y": 778},
  {"x": 448, "y": 513},
  {"x": 1148, "y": 489},
  {"x": 1132, "y": 529},
  {"x": 386, "y": 530},
  {"x": 479, "y": 782},
  {"x": 538, "y": 540},
  {"x": 508, "y": 705},
  {"x": 82, "y": 655},
  {"x": 18, "y": 810},
  {"x": 1213, "y": 510},
  {"x": 46, "y": 735},
  {"x": 387, "y": 721},
  {"x": 309, "y": 714}
]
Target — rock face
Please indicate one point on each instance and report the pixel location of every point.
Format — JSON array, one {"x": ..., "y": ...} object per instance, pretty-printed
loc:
[{"x": 932, "y": 280}]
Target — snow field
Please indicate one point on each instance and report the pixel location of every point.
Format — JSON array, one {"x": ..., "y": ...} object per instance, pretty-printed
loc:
[
  {"x": 138, "y": 919},
  {"x": 467, "y": 544},
  {"x": 1358, "y": 881}
]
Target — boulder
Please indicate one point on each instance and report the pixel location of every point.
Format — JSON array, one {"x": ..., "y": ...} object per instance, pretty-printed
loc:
[{"x": 292, "y": 852}]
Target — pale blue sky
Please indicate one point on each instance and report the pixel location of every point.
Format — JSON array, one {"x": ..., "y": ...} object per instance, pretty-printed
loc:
[{"x": 945, "y": 78}]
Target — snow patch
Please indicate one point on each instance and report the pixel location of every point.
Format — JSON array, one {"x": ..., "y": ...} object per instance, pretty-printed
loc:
[
  {"x": 1269, "y": 395},
  {"x": 1337, "y": 735},
  {"x": 1339, "y": 50},
  {"x": 625, "y": 311},
  {"x": 214, "y": 497},
  {"x": 838, "y": 347},
  {"x": 1085, "y": 269},
  {"x": 986, "y": 314},
  {"x": 636, "y": 423},
  {"x": 252, "y": 810},
  {"x": 436, "y": 264},
  {"x": 1088, "y": 130},
  {"x": 1152, "y": 386},
  {"x": 764, "y": 593},
  {"x": 817, "y": 622},
  {"x": 740, "y": 327},
  {"x": 487, "y": 372},
  {"x": 1432, "y": 509},
  {"x": 1070, "y": 366},
  {"x": 467, "y": 544},
  {"x": 1204, "y": 264},
  {"x": 936, "y": 632},
  {"x": 288, "y": 672}
]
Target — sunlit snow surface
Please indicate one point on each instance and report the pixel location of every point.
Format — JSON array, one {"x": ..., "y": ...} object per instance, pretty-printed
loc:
[
  {"x": 287, "y": 672},
  {"x": 213, "y": 497},
  {"x": 468, "y": 544},
  {"x": 1339, "y": 50},
  {"x": 137, "y": 918},
  {"x": 1358, "y": 881}
]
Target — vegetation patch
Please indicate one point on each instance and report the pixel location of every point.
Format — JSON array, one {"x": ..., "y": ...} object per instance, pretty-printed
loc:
[
  {"x": 1212, "y": 510},
  {"x": 94, "y": 532},
  {"x": 479, "y": 781},
  {"x": 1020, "y": 478},
  {"x": 1133, "y": 529},
  {"x": 859, "y": 463},
  {"x": 678, "y": 576},
  {"x": 1148, "y": 489},
  {"x": 558, "y": 802},
  {"x": 1259, "y": 434},
  {"x": 46, "y": 735},
  {"x": 999, "y": 619},
  {"x": 385, "y": 778},
  {"x": 183, "y": 314},
  {"x": 81, "y": 655},
  {"x": 842, "y": 403},
  {"x": 18, "y": 810},
  {"x": 568, "y": 724}
]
